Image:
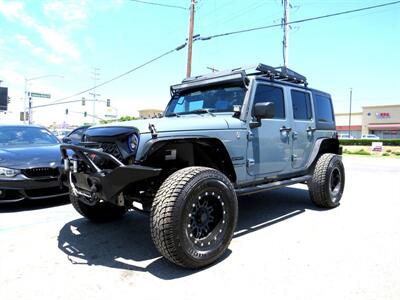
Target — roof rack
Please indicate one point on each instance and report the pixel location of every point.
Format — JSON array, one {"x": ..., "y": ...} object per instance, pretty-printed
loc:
[{"x": 281, "y": 73}]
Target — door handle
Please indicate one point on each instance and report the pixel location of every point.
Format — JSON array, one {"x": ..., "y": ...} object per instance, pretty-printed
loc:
[
  {"x": 284, "y": 128},
  {"x": 311, "y": 129}
]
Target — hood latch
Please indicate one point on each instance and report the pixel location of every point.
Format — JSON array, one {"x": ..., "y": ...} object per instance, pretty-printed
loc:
[{"x": 153, "y": 131}]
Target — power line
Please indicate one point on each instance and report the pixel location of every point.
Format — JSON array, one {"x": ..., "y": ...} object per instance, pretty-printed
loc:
[
  {"x": 221, "y": 35},
  {"x": 299, "y": 21},
  {"x": 160, "y": 4},
  {"x": 123, "y": 74}
]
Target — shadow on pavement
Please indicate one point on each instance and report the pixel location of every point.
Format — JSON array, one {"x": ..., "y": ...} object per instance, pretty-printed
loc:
[
  {"x": 126, "y": 244},
  {"x": 27, "y": 205}
]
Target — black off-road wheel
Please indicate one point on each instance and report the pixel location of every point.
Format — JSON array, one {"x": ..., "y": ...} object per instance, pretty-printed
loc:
[
  {"x": 99, "y": 212},
  {"x": 193, "y": 216},
  {"x": 327, "y": 183}
]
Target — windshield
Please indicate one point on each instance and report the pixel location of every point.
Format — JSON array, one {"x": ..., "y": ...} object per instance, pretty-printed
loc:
[
  {"x": 220, "y": 99},
  {"x": 22, "y": 135}
]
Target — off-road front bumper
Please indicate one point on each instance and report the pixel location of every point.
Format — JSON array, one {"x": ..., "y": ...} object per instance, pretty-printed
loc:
[{"x": 88, "y": 180}]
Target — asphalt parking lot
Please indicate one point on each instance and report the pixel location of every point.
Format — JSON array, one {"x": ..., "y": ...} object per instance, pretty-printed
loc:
[{"x": 283, "y": 248}]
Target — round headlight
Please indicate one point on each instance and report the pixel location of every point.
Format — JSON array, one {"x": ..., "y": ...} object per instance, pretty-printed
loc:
[{"x": 133, "y": 142}]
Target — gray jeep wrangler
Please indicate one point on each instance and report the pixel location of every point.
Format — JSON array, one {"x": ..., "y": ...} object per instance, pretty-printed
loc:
[{"x": 222, "y": 135}]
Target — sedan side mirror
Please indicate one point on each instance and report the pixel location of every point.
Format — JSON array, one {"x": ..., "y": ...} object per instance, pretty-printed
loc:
[
  {"x": 66, "y": 140},
  {"x": 264, "y": 110}
]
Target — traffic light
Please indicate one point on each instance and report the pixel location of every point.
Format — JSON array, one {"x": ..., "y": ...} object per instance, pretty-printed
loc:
[
  {"x": 108, "y": 102},
  {"x": 85, "y": 114},
  {"x": 83, "y": 101},
  {"x": 66, "y": 111}
]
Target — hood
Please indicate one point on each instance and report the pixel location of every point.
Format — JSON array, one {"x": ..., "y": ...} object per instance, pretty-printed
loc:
[
  {"x": 182, "y": 123},
  {"x": 24, "y": 157}
]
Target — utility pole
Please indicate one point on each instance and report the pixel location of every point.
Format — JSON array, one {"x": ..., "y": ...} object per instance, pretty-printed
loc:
[
  {"x": 95, "y": 77},
  {"x": 190, "y": 39},
  {"x": 351, "y": 98},
  {"x": 286, "y": 29}
]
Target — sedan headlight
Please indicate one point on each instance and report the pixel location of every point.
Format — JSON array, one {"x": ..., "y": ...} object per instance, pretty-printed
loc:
[
  {"x": 133, "y": 142},
  {"x": 6, "y": 172}
]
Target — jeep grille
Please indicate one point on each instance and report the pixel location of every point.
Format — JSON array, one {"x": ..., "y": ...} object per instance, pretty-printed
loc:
[{"x": 112, "y": 148}]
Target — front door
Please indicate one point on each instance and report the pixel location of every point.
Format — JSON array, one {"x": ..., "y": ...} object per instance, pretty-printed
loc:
[
  {"x": 269, "y": 148},
  {"x": 303, "y": 127}
]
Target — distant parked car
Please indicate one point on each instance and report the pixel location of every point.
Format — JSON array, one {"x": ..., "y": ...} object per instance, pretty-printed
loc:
[
  {"x": 370, "y": 137},
  {"x": 346, "y": 136},
  {"x": 29, "y": 162},
  {"x": 75, "y": 137}
]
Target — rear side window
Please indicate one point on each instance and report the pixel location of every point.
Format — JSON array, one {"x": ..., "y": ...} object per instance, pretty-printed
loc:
[
  {"x": 323, "y": 109},
  {"x": 267, "y": 93},
  {"x": 301, "y": 104}
]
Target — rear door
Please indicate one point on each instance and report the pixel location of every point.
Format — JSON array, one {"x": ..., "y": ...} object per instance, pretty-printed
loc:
[
  {"x": 269, "y": 146},
  {"x": 303, "y": 127}
]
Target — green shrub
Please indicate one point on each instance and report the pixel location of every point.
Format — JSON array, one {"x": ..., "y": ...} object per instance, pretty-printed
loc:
[
  {"x": 389, "y": 150},
  {"x": 386, "y": 154},
  {"x": 361, "y": 152},
  {"x": 396, "y": 153},
  {"x": 360, "y": 142}
]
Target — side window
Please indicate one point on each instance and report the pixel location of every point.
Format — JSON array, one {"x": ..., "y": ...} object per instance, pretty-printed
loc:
[
  {"x": 301, "y": 104},
  {"x": 323, "y": 109},
  {"x": 267, "y": 93},
  {"x": 76, "y": 135}
]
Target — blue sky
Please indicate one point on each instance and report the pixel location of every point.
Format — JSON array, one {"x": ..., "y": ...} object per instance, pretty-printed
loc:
[{"x": 69, "y": 38}]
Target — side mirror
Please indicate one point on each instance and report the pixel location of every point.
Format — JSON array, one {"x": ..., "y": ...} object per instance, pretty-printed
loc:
[
  {"x": 264, "y": 110},
  {"x": 66, "y": 140}
]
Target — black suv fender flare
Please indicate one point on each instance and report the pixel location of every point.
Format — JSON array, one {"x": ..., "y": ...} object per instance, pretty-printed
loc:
[
  {"x": 321, "y": 146},
  {"x": 225, "y": 161}
]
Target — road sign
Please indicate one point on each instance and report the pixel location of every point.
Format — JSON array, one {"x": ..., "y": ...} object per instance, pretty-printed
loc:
[{"x": 40, "y": 95}]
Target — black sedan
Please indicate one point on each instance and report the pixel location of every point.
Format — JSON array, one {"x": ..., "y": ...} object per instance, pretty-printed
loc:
[{"x": 29, "y": 162}]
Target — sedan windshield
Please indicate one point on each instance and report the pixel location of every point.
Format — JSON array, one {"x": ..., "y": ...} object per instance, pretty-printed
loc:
[
  {"x": 23, "y": 135},
  {"x": 220, "y": 99}
]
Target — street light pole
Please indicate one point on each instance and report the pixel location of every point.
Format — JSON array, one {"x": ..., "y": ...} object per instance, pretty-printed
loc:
[
  {"x": 25, "y": 92},
  {"x": 30, "y": 97},
  {"x": 351, "y": 98}
]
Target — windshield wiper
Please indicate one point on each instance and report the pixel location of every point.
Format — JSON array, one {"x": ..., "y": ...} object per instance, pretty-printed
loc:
[
  {"x": 173, "y": 114},
  {"x": 203, "y": 111}
]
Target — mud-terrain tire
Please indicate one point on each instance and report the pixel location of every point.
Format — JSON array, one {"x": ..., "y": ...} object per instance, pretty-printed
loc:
[
  {"x": 100, "y": 212},
  {"x": 327, "y": 182},
  {"x": 193, "y": 216}
]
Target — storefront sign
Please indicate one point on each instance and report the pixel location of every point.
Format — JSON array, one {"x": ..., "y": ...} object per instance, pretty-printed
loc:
[{"x": 382, "y": 115}]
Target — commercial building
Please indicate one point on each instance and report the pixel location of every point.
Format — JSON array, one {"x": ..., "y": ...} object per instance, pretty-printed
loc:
[
  {"x": 149, "y": 113},
  {"x": 381, "y": 120}
]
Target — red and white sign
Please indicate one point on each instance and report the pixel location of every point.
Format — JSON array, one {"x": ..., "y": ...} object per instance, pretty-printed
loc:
[
  {"x": 382, "y": 115},
  {"x": 377, "y": 146}
]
